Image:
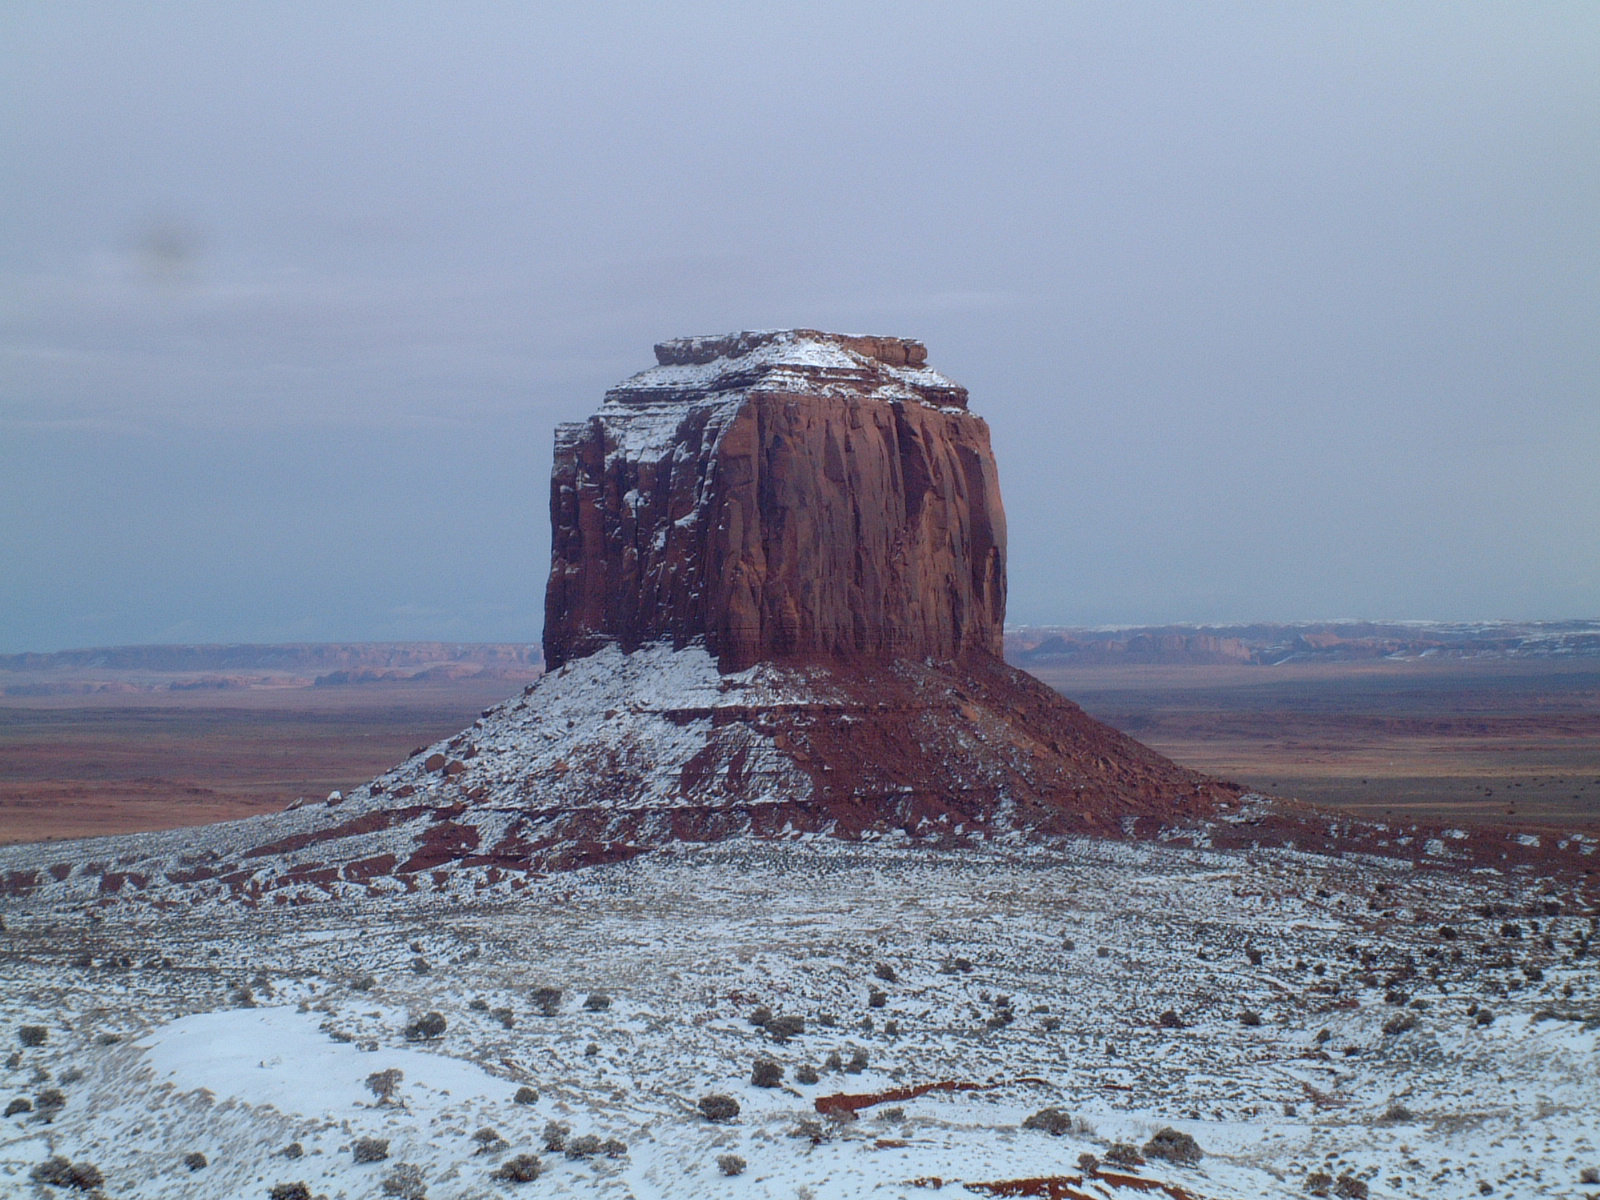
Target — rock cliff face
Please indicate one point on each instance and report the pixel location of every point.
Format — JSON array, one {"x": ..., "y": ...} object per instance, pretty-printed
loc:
[{"x": 786, "y": 496}]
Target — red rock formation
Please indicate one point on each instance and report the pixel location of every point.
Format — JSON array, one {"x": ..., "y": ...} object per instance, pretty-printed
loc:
[{"x": 789, "y": 496}]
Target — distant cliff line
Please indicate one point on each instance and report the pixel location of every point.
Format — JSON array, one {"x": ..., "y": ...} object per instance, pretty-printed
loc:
[
  {"x": 291, "y": 656},
  {"x": 1267, "y": 644}
]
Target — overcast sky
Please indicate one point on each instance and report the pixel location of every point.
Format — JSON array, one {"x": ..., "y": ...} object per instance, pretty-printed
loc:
[{"x": 1276, "y": 311}]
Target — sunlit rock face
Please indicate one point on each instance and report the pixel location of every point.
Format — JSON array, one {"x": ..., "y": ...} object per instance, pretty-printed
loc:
[{"x": 788, "y": 496}]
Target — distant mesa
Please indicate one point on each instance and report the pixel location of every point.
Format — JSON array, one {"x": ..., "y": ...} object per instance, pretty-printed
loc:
[{"x": 775, "y": 610}]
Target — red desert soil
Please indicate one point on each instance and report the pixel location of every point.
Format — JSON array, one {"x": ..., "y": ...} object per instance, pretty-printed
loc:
[
  {"x": 1452, "y": 741},
  {"x": 82, "y": 766}
]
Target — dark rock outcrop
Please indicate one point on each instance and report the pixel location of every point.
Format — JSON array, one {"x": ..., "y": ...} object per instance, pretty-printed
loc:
[{"x": 786, "y": 496}]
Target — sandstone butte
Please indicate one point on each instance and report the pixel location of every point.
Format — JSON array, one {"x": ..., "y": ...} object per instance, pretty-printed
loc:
[
  {"x": 775, "y": 607},
  {"x": 790, "y": 497}
]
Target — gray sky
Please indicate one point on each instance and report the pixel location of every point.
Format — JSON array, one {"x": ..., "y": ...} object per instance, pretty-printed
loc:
[{"x": 1275, "y": 311}]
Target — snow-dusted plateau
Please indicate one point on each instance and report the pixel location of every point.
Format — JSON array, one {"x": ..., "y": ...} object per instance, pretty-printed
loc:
[{"x": 1315, "y": 1026}]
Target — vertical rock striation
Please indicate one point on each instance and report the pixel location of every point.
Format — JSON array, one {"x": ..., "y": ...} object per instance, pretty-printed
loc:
[{"x": 788, "y": 496}]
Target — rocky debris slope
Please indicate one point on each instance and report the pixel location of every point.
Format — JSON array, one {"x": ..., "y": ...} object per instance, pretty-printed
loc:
[{"x": 794, "y": 496}]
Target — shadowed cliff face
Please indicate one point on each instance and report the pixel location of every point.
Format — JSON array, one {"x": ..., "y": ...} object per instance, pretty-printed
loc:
[{"x": 791, "y": 496}]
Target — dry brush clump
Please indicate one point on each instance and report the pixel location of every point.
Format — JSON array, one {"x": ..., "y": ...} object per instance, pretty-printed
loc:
[
  {"x": 1054, "y": 1121},
  {"x": 428, "y": 1027},
  {"x": 718, "y": 1107},
  {"x": 730, "y": 1164},
  {"x": 1174, "y": 1146},
  {"x": 520, "y": 1168},
  {"x": 58, "y": 1171},
  {"x": 370, "y": 1149}
]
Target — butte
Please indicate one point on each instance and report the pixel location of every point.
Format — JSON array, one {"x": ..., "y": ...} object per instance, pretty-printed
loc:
[{"x": 775, "y": 609}]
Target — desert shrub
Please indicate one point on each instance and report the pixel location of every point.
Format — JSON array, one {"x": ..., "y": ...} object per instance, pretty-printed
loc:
[
  {"x": 489, "y": 1141},
  {"x": 584, "y": 1146},
  {"x": 1324, "y": 1036},
  {"x": 760, "y": 1015},
  {"x": 289, "y": 1191},
  {"x": 405, "y": 1181},
  {"x": 811, "y": 1129},
  {"x": 420, "y": 966},
  {"x": 478, "y": 1004},
  {"x": 1054, "y": 1121},
  {"x": 59, "y": 1172},
  {"x": 293, "y": 1150},
  {"x": 33, "y": 1035},
  {"x": 1069, "y": 944},
  {"x": 1348, "y": 1187},
  {"x": 833, "y": 1062},
  {"x": 363, "y": 984},
  {"x": 1483, "y": 1017},
  {"x": 195, "y": 1161},
  {"x": 886, "y": 973},
  {"x": 857, "y": 1062},
  {"x": 504, "y": 1015},
  {"x": 19, "y": 1105},
  {"x": 426, "y": 1028},
  {"x": 1174, "y": 1146},
  {"x": 1589, "y": 1175},
  {"x": 49, "y": 1102},
  {"x": 781, "y": 1029},
  {"x": 1397, "y": 1114},
  {"x": 1170, "y": 1020},
  {"x": 877, "y": 997},
  {"x": 555, "y": 1136},
  {"x": 71, "y": 1075},
  {"x": 591, "y": 1050},
  {"x": 521, "y": 1168},
  {"x": 1401, "y": 1023},
  {"x": 597, "y": 1002},
  {"x": 806, "y": 1073},
  {"x": 547, "y": 1000},
  {"x": 370, "y": 1149},
  {"x": 1250, "y": 1017},
  {"x": 613, "y": 1147},
  {"x": 730, "y": 1164},
  {"x": 1319, "y": 1183},
  {"x": 718, "y": 1107},
  {"x": 526, "y": 1095},
  {"x": 766, "y": 1073},
  {"x": 384, "y": 1084},
  {"x": 1124, "y": 1154},
  {"x": 893, "y": 1115}
]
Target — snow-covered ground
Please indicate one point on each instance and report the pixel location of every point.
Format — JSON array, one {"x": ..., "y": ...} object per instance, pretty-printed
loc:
[{"x": 1293, "y": 1015}]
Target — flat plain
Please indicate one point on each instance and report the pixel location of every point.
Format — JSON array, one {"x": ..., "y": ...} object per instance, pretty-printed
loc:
[{"x": 1512, "y": 741}]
